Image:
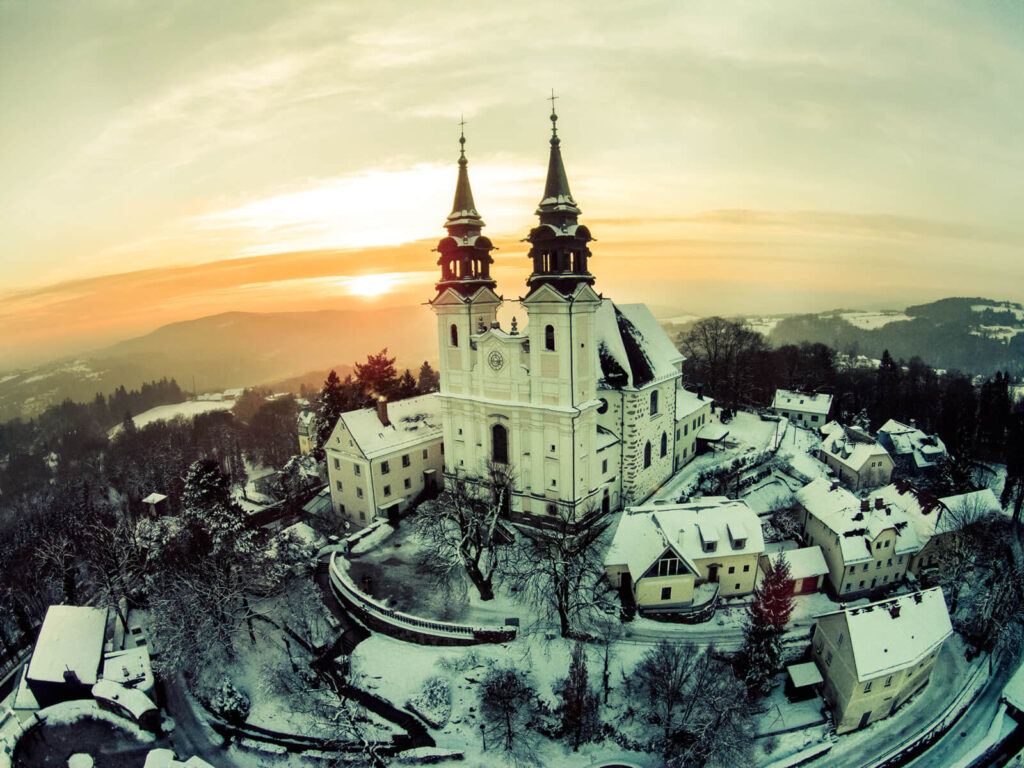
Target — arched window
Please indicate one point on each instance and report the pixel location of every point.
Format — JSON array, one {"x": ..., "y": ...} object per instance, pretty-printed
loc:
[
  {"x": 455, "y": 335},
  {"x": 654, "y": 402},
  {"x": 664, "y": 445},
  {"x": 647, "y": 455},
  {"x": 499, "y": 444},
  {"x": 549, "y": 337}
]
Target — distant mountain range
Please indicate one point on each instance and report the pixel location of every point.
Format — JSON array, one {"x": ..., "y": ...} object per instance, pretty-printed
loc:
[
  {"x": 974, "y": 335},
  {"x": 240, "y": 349},
  {"x": 235, "y": 349}
]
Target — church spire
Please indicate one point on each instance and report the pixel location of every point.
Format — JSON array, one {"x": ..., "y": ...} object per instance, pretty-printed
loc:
[
  {"x": 465, "y": 254},
  {"x": 559, "y": 245}
]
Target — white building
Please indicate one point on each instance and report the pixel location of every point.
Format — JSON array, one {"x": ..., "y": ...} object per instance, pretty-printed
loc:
[
  {"x": 580, "y": 403},
  {"x": 856, "y": 458},
  {"x": 804, "y": 410},
  {"x": 913, "y": 451},
  {"x": 380, "y": 459}
]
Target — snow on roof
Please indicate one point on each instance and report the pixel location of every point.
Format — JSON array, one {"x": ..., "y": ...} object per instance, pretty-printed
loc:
[
  {"x": 927, "y": 450},
  {"x": 71, "y": 638},
  {"x": 132, "y": 699},
  {"x": 893, "y": 634},
  {"x": 804, "y": 563},
  {"x": 1013, "y": 692},
  {"x": 164, "y": 758},
  {"x": 930, "y": 515},
  {"x": 154, "y": 498},
  {"x": 712, "y": 432},
  {"x": 804, "y": 674},
  {"x": 605, "y": 438},
  {"x": 129, "y": 667},
  {"x": 799, "y": 401},
  {"x": 830, "y": 428},
  {"x": 856, "y": 527},
  {"x": 688, "y": 403},
  {"x": 306, "y": 417},
  {"x": 645, "y": 532},
  {"x": 413, "y": 421},
  {"x": 852, "y": 448},
  {"x": 633, "y": 348}
]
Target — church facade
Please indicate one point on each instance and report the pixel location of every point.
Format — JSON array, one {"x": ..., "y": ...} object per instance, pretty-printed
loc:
[{"x": 578, "y": 407}]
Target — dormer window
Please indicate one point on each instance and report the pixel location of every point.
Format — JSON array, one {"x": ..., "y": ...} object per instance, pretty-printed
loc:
[
  {"x": 670, "y": 565},
  {"x": 710, "y": 546}
]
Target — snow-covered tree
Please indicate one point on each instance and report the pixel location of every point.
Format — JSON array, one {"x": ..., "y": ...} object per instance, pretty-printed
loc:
[
  {"x": 767, "y": 616},
  {"x": 428, "y": 380},
  {"x": 507, "y": 704},
  {"x": 579, "y": 703}
]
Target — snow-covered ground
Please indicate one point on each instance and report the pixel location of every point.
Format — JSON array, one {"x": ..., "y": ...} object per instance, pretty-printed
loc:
[
  {"x": 166, "y": 412},
  {"x": 870, "y": 321}
]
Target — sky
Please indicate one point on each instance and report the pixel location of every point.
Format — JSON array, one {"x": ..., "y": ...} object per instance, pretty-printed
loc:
[{"x": 164, "y": 161}]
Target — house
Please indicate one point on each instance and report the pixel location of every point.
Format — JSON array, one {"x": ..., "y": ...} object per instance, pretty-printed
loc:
[
  {"x": 673, "y": 557},
  {"x": 693, "y": 411},
  {"x": 68, "y": 654},
  {"x": 804, "y": 410},
  {"x": 306, "y": 428},
  {"x": 379, "y": 460},
  {"x": 856, "y": 458},
  {"x": 913, "y": 452},
  {"x": 807, "y": 568},
  {"x": 866, "y": 545},
  {"x": 875, "y": 657}
]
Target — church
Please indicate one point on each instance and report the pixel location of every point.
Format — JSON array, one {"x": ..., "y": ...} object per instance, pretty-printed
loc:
[{"x": 582, "y": 407}]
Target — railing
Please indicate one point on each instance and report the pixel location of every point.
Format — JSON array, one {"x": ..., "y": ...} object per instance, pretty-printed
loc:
[{"x": 353, "y": 595}]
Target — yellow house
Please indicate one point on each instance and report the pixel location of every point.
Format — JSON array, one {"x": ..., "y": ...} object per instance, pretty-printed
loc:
[
  {"x": 306, "y": 427},
  {"x": 379, "y": 460},
  {"x": 673, "y": 557},
  {"x": 875, "y": 657},
  {"x": 856, "y": 458}
]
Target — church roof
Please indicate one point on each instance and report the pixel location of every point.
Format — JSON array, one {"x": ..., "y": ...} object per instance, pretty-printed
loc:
[
  {"x": 557, "y": 197},
  {"x": 633, "y": 348},
  {"x": 463, "y": 208},
  {"x": 412, "y": 421}
]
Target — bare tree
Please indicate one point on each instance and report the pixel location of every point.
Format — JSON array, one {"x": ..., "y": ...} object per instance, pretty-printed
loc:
[
  {"x": 719, "y": 353},
  {"x": 462, "y": 530},
  {"x": 507, "y": 704},
  {"x": 559, "y": 571}
]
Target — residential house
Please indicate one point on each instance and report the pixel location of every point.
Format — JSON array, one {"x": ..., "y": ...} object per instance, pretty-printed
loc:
[
  {"x": 804, "y": 410},
  {"x": 856, "y": 458},
  {"x": 692, "y": 412},
  {"x": 306, "y": 427},
  {"x": 865, "y": 545},
  {"x": 913, "y": 452},
  {"x": 68, "y": 654},
  {"x": 807, "y": 567},
  {"x": 875, "y": 657},
  {"x": 379, "y": 460},
  {"x": 671, "y": 557}
]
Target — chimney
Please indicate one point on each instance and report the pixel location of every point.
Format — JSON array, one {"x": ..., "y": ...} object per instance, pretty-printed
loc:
[
  {"x": 865, "y": 505},
  {"x": 700, "y": 391},
  {"x": 879, "y": 503},
  {"x": 382, "y": 411},
  {"x": 894, "y": 610}
]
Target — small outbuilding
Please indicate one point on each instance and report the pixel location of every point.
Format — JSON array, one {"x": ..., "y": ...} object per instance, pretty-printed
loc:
[
  {"x": 802, "y": 681},
  {"x": 807, "y": 568},
  {"x": 66, "y": 660}
]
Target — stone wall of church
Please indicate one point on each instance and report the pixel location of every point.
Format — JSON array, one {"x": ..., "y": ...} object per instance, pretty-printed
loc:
[{"x": 641, "y": 428}]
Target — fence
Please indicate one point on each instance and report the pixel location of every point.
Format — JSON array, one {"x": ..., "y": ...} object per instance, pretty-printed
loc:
[{"x": 406, "y": 627}]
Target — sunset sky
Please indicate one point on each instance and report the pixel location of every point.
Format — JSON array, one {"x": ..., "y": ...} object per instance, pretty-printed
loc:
[{"x": 163, "y": 161}]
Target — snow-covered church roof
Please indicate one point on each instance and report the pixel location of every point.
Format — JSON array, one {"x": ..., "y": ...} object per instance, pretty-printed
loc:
[{"x": 634, "y": 349}]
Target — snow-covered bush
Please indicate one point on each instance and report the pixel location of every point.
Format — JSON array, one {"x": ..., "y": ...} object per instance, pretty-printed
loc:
[
  {"x": 229, "y": 703},
  {"x": 433, "y": 703}
]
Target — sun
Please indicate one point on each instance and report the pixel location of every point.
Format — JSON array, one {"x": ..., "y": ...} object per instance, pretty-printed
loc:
[{"x": 370, "y": 285}]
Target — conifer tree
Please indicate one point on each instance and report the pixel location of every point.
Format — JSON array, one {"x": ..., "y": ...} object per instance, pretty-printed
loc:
[
  {"x": 766, "y": 623},
  {"x": 377, "y": 376},
  {"x": 428, "y": 381},
  {"x": 330, "y": 404},
  {"x": 406, "y": 386}
]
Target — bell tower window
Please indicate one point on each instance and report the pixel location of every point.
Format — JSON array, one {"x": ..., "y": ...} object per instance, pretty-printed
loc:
[
  {"x": 647, "y": 454},
  {"x": 549, "y": 338},
  {"x": 664, "y": 445},
  {"x": 454, "y": 334},
  {"x": 654, "y": 402}
]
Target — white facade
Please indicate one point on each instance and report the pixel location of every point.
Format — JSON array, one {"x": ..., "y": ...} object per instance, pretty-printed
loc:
[{"x": 802, "y": 409}]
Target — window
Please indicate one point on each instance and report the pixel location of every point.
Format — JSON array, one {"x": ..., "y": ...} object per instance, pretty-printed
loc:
[
  {"x": 405, "y": 460},
  {"x": 341, "y": 508},
  {"x": 670, "y": 565},
  {"x": 647, "y": 454},
  {"x": 732, "y": 569},
  {"x": 686, "y": 429},
  {"x": 865, "y": 567},
  {"x": 408, "y": 482},
  {"x": 654, "y": 402},
  {"x": 861, "y": 585},
  {"x": 424, "y": 453},
  {"x": 814, "y": 418},
  {"x": 385, "y": 468},
  {"x": 666, "y": 593},
  {"x": 828, "y": 659},
  {"x": 737, "y": 586},
  {"x": 888, "y": 562},
  {"x": 338, "y": 484},
  {"x": 551, "y": 449},
  {"x": 842, "y": 637},
  {"x": 746, "y": 568},
  {"x": 387, "y": 490},
  {"x": 604, "y": 466},
  {"x": 710, "y": 546},
  {"x": 359, "y": 493},
  {"x": 499, "y": 444},
  {"x": 888, "y": 681},
  {"x": 549, "y": 338},
  {"x": 878, "y": 565},
  {"x": 554, "y": 482},
  {"x": 552, "y": 509},
  {"x": 867, "y": 687},
  {"x": 362, "y": 515},
  {"x": 357, "y": 469},
  {"x": 454, "y": 334},
  {"x": 664, "y": 445},
  {"x": 337, "y": 463}
]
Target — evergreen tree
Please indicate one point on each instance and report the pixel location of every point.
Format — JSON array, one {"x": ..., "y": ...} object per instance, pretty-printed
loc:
[
  {"x": 766, "y": 623},
  {"x": 330, "y": 404},
  {"x": 429, "y": 381},
  {"x": 377, "y": 376},
  {"x": 1013, "y": 488},
  {"x": 406, "y": 386},
  {"x": 579, "y": 704}
]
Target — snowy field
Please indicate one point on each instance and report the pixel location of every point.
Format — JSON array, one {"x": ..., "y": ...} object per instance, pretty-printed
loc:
[
  {"x": 870, "y": 321},
  {"x": 188, "y": 409}
]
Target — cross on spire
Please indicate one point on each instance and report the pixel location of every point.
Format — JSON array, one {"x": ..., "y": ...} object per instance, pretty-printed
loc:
[
  {"x": 554, "y": 115},
  {"x": 462, "y": 136}
]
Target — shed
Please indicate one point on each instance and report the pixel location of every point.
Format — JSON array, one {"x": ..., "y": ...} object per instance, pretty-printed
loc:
[
  {"x": 68, "y": 653},
  {"x": 801, "y": 681}
]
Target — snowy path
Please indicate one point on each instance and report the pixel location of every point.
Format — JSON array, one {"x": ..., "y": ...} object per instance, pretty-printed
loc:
[{"x": 189, "y": 736}]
